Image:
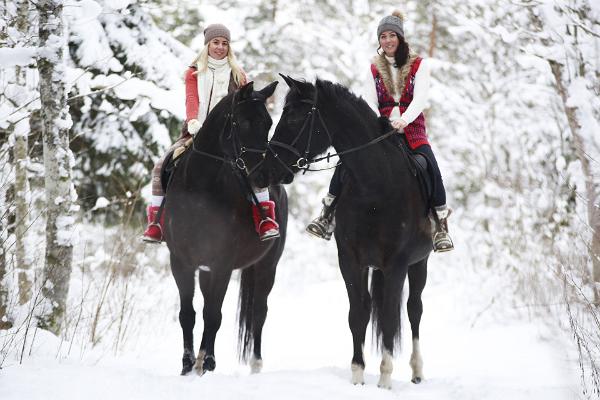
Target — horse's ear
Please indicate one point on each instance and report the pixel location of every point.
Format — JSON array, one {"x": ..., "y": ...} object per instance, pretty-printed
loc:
[
  {"x": 268, "y": 90},
  {"x": 246, "y": 91},
  {"x": 288, "y": 80}
]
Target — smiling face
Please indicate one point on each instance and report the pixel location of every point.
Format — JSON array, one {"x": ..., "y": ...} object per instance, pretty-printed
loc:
[
  {"x": 218, "y": 48},
  {"x": 388, "y": 40}
]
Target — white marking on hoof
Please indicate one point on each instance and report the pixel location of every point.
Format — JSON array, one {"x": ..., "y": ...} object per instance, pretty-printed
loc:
[
  {"x": 199, "y": 366},
  {"x": 204, "y": 268},
  {"x": 358, "y": 374},
  {"x": 416, "y": 362},
  {"x": 386, "y": 368},
  {"x": 255, "y": 365}
]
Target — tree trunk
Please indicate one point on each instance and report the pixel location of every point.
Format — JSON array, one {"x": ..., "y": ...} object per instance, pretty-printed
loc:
[
  {"x": 22, "y": 204},
  {"x": 592, "y": 190},
  {"x": 57, "y": 164},
  {"x": 4, "y": 317}
]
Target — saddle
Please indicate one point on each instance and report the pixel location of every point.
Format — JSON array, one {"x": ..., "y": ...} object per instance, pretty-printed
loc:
[
  {"x": 421, "y": 168},
  {"x": 170, "y": 162},
  {"x": 419, "y": 165}
]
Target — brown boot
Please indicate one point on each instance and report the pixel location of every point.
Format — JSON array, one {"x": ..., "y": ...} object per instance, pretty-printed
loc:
[
  {"x": 324, "y": 225},
  {"x": 441, "y": 239}
]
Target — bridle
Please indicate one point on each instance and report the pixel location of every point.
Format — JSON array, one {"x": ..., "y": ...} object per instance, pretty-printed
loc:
[
  {"x": 304, "y": 162},
  {"x": 237, "y": 162}
]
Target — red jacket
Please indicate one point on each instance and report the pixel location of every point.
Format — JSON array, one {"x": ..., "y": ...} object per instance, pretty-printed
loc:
[{"x": 192, "y": 100}]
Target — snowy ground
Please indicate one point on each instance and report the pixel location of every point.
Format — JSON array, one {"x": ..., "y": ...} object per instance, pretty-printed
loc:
[{"x": 475, "y": 345}]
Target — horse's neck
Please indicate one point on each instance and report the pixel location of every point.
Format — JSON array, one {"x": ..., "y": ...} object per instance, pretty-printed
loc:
[{"x": 375, "y": 166}]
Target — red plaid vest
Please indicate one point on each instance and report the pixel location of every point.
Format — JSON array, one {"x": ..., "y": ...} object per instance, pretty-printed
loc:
[{"x": 415, "y": 132}]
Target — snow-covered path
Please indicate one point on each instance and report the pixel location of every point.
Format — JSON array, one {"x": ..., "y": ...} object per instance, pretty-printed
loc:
[{"x": 472, "y": 347}]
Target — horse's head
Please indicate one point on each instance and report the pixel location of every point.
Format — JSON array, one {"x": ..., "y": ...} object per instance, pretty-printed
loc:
[
  {"x": 299, "y": 136},
  {"x": 247, "y": 125}
]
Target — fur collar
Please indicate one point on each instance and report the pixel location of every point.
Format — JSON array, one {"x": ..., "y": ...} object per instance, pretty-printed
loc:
[{"x": 385, "y": 70}]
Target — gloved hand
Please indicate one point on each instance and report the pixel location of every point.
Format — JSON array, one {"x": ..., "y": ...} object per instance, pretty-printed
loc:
[
  {"x": 193, "y": 126},
  {"x": 399, "y": 124}
]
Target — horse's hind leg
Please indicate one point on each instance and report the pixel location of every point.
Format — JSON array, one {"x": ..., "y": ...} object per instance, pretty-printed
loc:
[
  {"x": 390, "y": 321},
  {"x": 259, "y": 281},
  {"x": 358, "y": 316},
  {"x": 214, "y": 286},
  {"x": 417, "y": 277},
  {"x": 184, "y": 278}
]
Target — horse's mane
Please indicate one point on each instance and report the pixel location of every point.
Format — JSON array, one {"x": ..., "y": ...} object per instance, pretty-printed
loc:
[
  {"x": 217, "y": 113},
  {"x": 337, "y": 90},
  {"x": 353, "y": 103}
]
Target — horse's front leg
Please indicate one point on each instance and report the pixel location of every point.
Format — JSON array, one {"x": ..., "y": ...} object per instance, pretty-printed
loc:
[
  {"x": 184, "y": 278},
  {"x": 356, "y": 280},
  {"x": 213, "y": 284}
]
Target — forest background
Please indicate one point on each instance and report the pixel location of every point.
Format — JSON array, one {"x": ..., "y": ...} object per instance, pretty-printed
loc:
[{"x": 91, "y": 93}]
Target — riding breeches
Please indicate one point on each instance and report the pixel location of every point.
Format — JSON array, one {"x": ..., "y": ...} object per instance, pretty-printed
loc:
[
  {"x": 157, "y": 189},
  {"x": 439, "y": 193}
]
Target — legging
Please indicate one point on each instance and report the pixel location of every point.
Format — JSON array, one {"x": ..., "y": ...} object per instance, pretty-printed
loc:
[
  {"x": 157, "y": 189},
  {"x": 439, "y": 195}
]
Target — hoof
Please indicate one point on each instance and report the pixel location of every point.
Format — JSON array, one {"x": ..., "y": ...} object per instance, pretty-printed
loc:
[
  {"x": 209, "y": 363},
  {"x": 188, "y": 362},
  {"x": 385, "y": 382},
  {"x": 256, "y": 365},
  {"x": 358, "y": 374},
  {"x": 186, "y": 369},
  {"x": 416, "y": 380}
]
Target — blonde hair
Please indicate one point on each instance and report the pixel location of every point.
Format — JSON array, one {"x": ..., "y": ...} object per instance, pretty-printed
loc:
[{"x": 201, "y": 62}]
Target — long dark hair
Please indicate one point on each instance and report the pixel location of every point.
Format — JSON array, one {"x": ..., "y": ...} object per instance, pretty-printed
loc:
[{"x": 402, "y": 52}]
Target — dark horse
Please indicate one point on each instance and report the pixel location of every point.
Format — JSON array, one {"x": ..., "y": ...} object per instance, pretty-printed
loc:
[
  {"x": 209, "y": 226},
  {"x": 381, "y": 215}
]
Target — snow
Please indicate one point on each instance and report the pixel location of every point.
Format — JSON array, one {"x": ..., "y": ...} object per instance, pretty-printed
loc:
[
  {"x": 17, "y": 56},
  {"x": 475, "y": 345}
]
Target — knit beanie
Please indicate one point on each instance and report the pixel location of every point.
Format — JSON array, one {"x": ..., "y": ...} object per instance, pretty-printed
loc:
[
  {"x": 394, "y": 23},
  {"x": 216, "y": 30}
]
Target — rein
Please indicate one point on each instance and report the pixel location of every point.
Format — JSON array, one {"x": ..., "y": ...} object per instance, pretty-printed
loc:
[{"x": 303, "y": 162}]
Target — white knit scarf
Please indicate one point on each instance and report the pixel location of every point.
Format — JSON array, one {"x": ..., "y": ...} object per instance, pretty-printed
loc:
[{"x": 213, "y": 85}]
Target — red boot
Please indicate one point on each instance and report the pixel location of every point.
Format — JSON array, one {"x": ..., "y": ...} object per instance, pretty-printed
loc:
[
  {"x": 266, "y": 228},
  {"x": 153, "y": 232}
]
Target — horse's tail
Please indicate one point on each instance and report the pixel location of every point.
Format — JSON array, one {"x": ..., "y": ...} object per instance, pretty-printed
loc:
[
  {"x": 245, "y": 314},
  {"x": 377, "y": 311}
]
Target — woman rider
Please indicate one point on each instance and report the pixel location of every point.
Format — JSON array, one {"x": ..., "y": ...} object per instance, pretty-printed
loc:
[
  {"x": 213, "y": 75},
  {"x": 397, "y": 88}
]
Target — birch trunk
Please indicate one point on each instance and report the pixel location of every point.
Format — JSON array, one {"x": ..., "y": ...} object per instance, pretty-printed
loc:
[
  {"x": 22, "y": 193},
  {"x": 4, "y": 317},
  {"x": 23, "y": 262},
  {"x": 592, "y": 190},
  {"x": 591, "y": 187},
  {"x": 57, "y": 163}
]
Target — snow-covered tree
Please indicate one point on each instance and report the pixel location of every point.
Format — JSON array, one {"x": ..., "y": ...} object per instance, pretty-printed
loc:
[{"x": 60, "y": 193}]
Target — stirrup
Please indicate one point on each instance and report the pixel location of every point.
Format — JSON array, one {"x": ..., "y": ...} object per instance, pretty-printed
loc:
[
  {"x": 319, "y": 227},
  {"x": 442, "y": 242}
]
